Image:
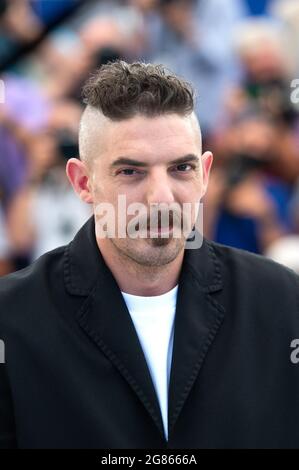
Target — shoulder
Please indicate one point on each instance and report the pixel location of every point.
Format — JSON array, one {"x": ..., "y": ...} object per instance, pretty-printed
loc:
[
  {"x": 258, "y": 290},
  {"x": 29, "y": 286},
  {"x": 254, "y": 268}
]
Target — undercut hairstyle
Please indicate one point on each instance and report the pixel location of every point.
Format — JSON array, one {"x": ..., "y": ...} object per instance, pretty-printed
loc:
[{"x": 121, "y": 90}]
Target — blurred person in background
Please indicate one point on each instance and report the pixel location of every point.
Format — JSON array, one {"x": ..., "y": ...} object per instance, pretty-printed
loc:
[
  {"x": 267, "y": 71},
  {"x": 24, "y": 23},
  {"x": 45, "y": 213},
  {"x": 250, "y": 210},
  {"x": 60, "y": 72},
  {"x": 25, "y": 111},
  {"x": 57, "y": 69},
  {"x": 19, "y": 25},
  {"x": 285, "y": 250},
  {"x": 195, "y": 39},
  {"x": 256, "y": 146}
]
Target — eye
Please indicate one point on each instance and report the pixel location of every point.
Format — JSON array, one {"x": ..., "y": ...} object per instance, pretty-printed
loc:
[
  {"x": 184, "y": 167},
  {"x": 128, "y": 171}
]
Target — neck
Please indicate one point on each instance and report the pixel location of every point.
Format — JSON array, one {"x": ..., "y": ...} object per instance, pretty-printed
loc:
[{"x": 136, "y": 279}]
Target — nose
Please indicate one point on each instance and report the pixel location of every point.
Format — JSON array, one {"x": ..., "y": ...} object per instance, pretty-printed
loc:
[{"x": 159, "y": 189}]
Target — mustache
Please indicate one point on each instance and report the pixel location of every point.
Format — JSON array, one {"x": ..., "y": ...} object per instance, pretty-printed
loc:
[{"x": 161, "y": 219}]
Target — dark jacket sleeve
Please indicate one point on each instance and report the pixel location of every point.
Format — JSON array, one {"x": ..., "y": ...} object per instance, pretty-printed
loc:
[{"x": 7, "y": 425}]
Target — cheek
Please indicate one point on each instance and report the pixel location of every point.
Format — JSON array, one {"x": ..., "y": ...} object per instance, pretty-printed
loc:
[
  {"x": 190, "y": 199},
  {"x": 130, "y": 195},
  {"x": 102, "y": 190},
  {"x": 190, "y": 191}
]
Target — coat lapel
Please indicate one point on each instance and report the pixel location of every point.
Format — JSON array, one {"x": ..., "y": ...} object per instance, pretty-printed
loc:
[
  {"x": 105, "y": 318},
  {"x": 198, "y": 318}
]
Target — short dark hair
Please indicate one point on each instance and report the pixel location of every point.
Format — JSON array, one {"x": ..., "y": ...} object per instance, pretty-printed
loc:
[{"x": 121, "y": 90}]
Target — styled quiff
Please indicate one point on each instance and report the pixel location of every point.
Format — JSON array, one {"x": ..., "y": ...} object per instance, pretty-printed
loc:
[{"x": 121, "y": 90}]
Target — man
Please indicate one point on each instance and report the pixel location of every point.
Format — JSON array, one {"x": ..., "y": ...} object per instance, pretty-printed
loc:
[{"x": 125, "y": 341}]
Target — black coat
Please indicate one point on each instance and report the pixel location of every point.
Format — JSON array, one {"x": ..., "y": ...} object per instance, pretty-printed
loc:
[{"x": 75, "y": 375}]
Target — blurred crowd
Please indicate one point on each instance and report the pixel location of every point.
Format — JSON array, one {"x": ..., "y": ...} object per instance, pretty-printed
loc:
[{"x": 242, "y": 57}]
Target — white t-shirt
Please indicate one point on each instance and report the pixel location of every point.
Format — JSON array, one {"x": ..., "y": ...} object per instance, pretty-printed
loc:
[{"x": 153, "y": 318}]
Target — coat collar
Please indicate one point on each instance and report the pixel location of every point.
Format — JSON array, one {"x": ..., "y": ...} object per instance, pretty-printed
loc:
[
  {"x": 105, "y": 318},
  {"x": 83, "y": 263}
]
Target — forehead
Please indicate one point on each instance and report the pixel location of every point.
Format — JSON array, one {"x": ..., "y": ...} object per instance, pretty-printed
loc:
[{"x": 159, "y": 137}]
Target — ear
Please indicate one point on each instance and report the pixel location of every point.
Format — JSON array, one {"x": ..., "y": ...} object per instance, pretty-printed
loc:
[
  {"x": 78, "y": 175},
  {"x": 207, "y": 160}
]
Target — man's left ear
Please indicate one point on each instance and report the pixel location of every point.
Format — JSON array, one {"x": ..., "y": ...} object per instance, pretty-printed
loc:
[
  {"x": 78, "y": 175},
  {"x": 207, "y": 160}
]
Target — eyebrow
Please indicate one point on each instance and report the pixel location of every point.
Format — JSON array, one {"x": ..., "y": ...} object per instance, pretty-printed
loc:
[{"x": 129, "y": 161}]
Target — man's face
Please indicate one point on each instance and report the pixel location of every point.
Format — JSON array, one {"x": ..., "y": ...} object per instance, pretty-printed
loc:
[{"x": 149, "y": 161}]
